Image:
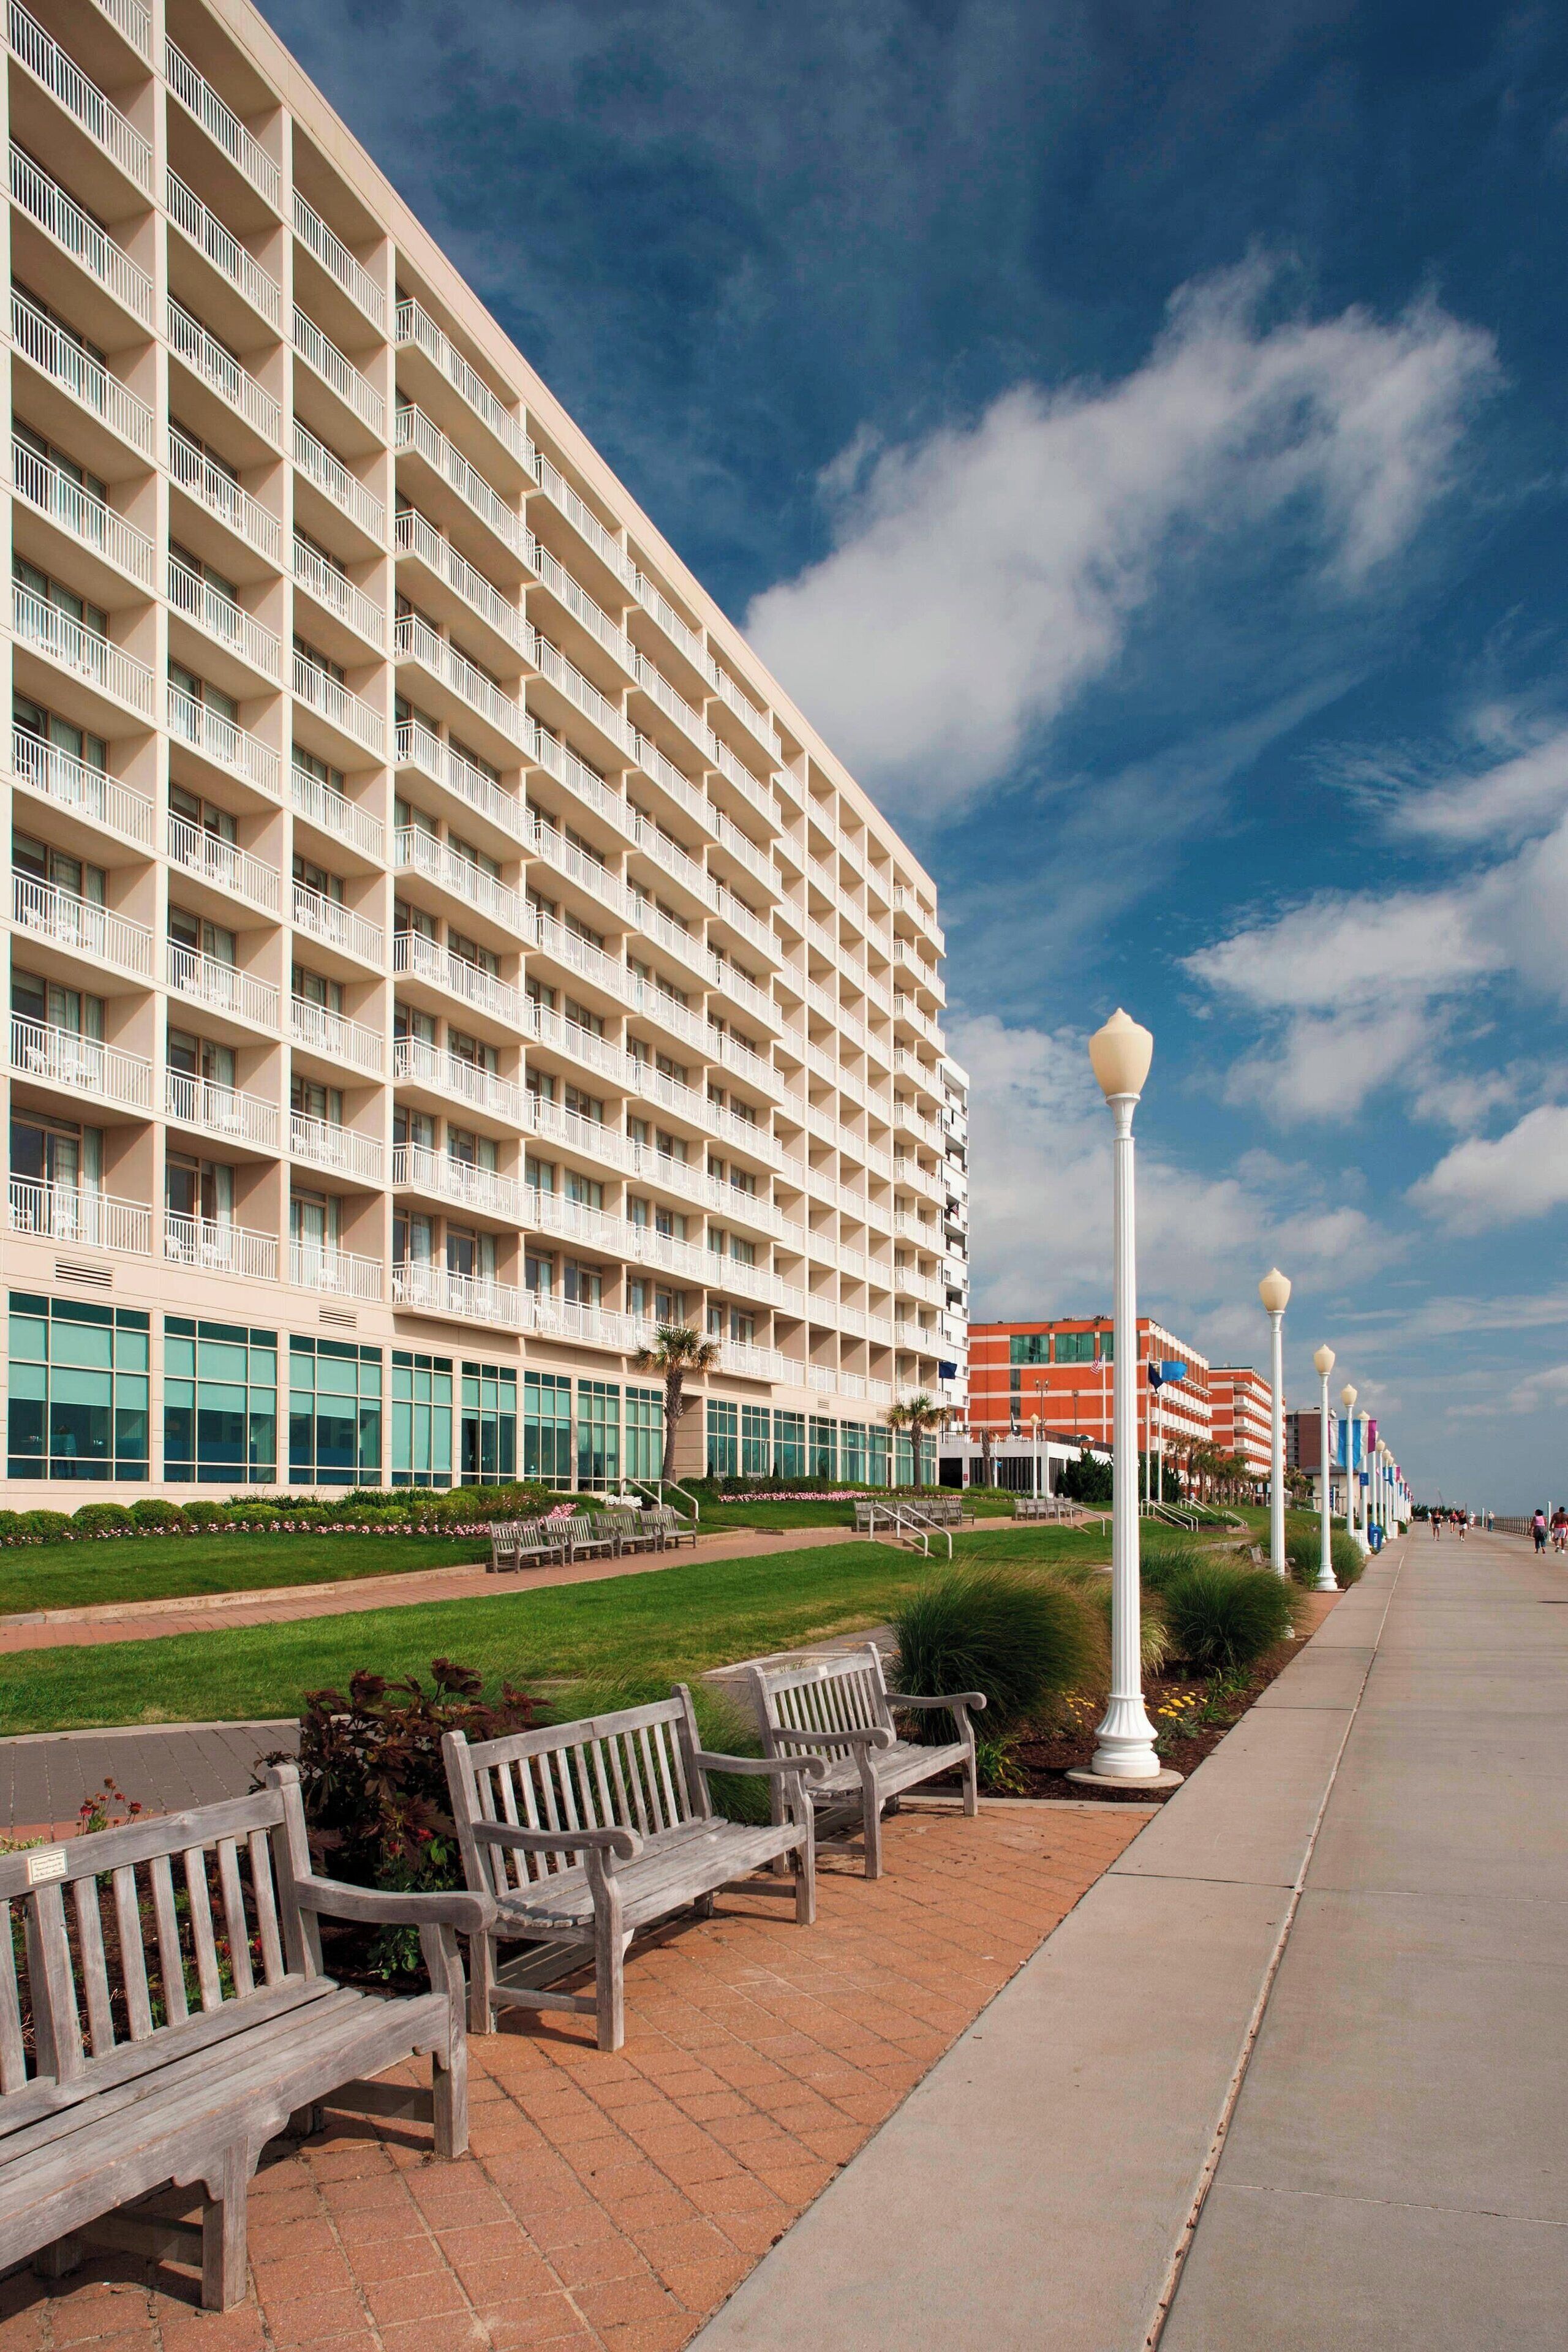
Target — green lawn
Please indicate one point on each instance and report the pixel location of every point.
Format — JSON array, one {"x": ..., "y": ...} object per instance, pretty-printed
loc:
[
  {"x": 699, "y": 1614},
  {"x": 160, "y": 1568},
  {"x": 815, "y": 1513}
]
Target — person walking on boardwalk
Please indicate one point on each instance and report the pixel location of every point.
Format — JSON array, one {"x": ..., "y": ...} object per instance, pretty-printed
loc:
[
  {"x": 1538, "y": 1529},
  {"x": 1436, "y": 1517}
]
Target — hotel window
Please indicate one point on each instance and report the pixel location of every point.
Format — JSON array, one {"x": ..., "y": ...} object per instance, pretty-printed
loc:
[
  {"x": 598, "y": 1436},
  {"x": 334, "y": 1413},
  {"x": 80, "y": 1393},
  {"x": 644, "y": 1433},
  {"x": 57, "y": 1175},
  {"x": 489, "y": 1433},
  {"x": 789, "y": 1444},
  {"x": 547, "y": 1428},
  {"x": 756, "y": 1441},
  {"x": 824, "y": 1448},
  {"x": 472, "y": 1254},
  {"x": 66, "y": 1010},
  {"x": 584, "y": 1189},
  {"x": 70, "y": 761},
  {"x": 538, "y": 1272},
  {"x": 852, "y": 1454},
  {"x": 421, "y": 1420},
  {"x": 723, "y": 1439},
  {"x": 220, "y": 1403},
  {"x": 53, "y": 869},
  {"x": 584, "y": 1286}
]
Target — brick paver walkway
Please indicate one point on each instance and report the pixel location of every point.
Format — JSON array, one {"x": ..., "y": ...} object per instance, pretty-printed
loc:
[{"x": 610, "y": 2204}]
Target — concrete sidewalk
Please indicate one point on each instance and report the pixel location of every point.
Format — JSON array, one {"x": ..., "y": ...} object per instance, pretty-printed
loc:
[{"x": 1387, "y": 1830}]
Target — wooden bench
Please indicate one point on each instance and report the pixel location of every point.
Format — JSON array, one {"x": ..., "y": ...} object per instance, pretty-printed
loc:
[
  {"x": 1040, "y": 1506},
  {"x": 936, "y": 1510},
  {"x": 672, "y": 1529},
  {"x": 584, "y": 1833},
  {"x": 582, "y": 1535},
  {"x": 164, "y": 2012},
  {"x": 523, "y": 1543},
  {"x": 634, "y": 1531},
  {"x": 841, "y": 1709}
]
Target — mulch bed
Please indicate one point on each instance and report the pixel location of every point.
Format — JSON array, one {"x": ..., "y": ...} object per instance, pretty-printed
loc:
[{"x": 1190, "y": 1719}]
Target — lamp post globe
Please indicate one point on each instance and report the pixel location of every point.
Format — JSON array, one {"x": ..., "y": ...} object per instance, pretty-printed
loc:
[
  {"x": 1274, "y": 1290},
  {"x": 1324, "y": 1363},
  {"x": 1119, "y": 1054},
  {"x": 1347, "y": 1399}
]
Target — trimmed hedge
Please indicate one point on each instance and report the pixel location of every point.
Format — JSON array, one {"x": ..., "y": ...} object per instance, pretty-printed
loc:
[{"x": 462, "y": 1510}]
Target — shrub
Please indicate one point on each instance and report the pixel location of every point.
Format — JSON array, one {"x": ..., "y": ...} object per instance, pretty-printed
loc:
[
  {"x": 202, "y": 1512},
  {"x": 1162, "y": 1557},
  {"x": 48, "y": 1527},
  {"x": 250, "y": 1511},
  {"x": 104, "y": 1519},
  {"x": 1087, "y": 1480},
  {"x": 154, "y": 1512},
  {"x": 1346, "y": 1558},
  {"x": 1020, "y": 1639},
  {"x": 1222, "y": 1616},
  {"x": 1303, "y": 1550},
  {"x": 723, "y": 1729},
  {"x": 11, "y": 1526}
]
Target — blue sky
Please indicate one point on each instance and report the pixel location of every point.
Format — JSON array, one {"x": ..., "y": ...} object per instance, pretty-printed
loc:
[{"x": 1135, "y": 435}]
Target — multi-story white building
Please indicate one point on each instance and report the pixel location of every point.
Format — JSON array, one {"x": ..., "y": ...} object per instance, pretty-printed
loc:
[
  {"x": 954, "y": 1369},
  {"x": 439, "y": 951}
]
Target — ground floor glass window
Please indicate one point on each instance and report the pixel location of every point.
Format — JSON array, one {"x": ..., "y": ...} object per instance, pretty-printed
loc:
[
  {"x": 723, "y": 1439},
  {"x": 644, "y": 1433},
  {"x": 756, "y": 1441},
  {"x": 598, "y": 1436},
  {"x": 421, "y": 1420},
  {"x": 80, "y": 1394},
  {"x": 489, "y": 1424},
  {"x": 334, "y": 1413},
  {"x": 547, "y": 1428},
  {"x": 789, "y": 1444},
  {"x": 220, "y": 1403}
]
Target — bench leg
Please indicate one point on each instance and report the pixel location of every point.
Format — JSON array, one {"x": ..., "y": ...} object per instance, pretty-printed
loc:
[
  {"x": 703, "y": 1907},
  {"x": 58, "y": 2262},
  {"x": 971, "y": 1784},
  {"x": 805, "y": 1881},
  {"x": 609, "y": 1956},
  {"x": 872, "y": 1810},
  {"x": 482, "y": 1979},
  {"x": 223, "y": 2236}
]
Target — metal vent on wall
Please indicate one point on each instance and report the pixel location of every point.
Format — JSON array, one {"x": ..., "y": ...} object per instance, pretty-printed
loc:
[
  {"x": 343, "y": 1317},
  {"x": 95, "y": 1277}
]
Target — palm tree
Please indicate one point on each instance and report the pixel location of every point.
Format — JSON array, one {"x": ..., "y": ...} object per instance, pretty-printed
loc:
[
  {"x": 919, "y": 1415},
  {"x": 679, "y": 1349}
]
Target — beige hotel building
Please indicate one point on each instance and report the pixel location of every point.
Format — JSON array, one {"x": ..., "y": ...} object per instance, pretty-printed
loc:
[{"x": 439, "y": 952}]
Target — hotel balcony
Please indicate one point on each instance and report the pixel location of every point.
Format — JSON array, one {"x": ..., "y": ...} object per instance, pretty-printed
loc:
[
  {"x": 339, "y": 373},
  {"x": 419, "y": 541},
  {"x": 459, "y": 683},
  {"x": 341, "y": 1149},
  {"x": 222, "y": 125},
  {"x": 233, "y": 749},
  {"x": 454, "y": 876},
  {"x": 447, "y": 1078},
  {"x": 226, "y": 626},
  {"x": 106, "y": 668},
  {"x": 230, "y": 871},
  {"x": 339, "y": 263},
  {"x": 337, "y": 927},
  {"x": 222, "y": 988},
  {"x": 95, "y": 395},
  {"x": 441, "y": 765},
  {"x": 416, "y": 1168},
  {"x": 334, "y": 1039},
  {"x": 417, "y": 331},
  {"x": 85, "y": 792},
  {"x": 459, "y": 491},
  {"x": 222, "y": 1112},
  {"x": 82, "y": 928},
  {"x": 332, "y": 813},
  {"x": 338, "y": 595},
  {"x": 222, "y": 373},
  {"x": 421, "y": 959},
  {"x": 347, "y": 493},
  {"x": 81, "y": 1065},
  {"x": 352, "y": 717},
  {"x": 105, "y": 537},
  {"x": 223, "y": 250},
  {"x": 462, "y": 1298},
  {"x": 85, "y": 1220},
  {"x": 117, "y": 291},
  {"x": 220, "y": 496},
  {"x": 208, "y": 1246},
  {"x": 339, "y": 1274},
  {"x": 82, "y": 100}
]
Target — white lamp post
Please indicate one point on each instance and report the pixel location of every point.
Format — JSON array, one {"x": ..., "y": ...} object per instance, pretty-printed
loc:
[
  {"x": 1120, "y": 1053},
  {"x": 1324, "y": 1361},
  {"x": 1275, "y": 1292},
  {"x": 1347, "y": 1399}
]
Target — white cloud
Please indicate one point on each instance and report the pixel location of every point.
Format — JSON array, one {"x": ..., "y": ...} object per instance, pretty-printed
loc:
[
  {"x": 1040, "y": 1203},
  {"x": 1500, "y": 804},
  {"x": 983, "y": 575},
  {"x": 1482, "y": 1183}
]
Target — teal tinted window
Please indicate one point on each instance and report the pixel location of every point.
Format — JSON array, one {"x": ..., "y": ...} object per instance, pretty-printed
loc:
[
  {"x": 824, "y": 1448},
  {"x": 80, "y": 1390},
  {"x": 489, "y": 1435},
  {"x": 789, "y": 1444},
  {"x": 598, "y": 1436},
  {"x": 644, "y": 1433},
  {"x": 877, "y": 1457},
  {"x": 756, "y": 1441},
  {"x": 852, "y": 1454},
  {"x": 220, "y": 1403},
  {"x": 1032, "y": 1348},
  {"x": 723, "y": 1439},
  {"x": 421, "y": 1420},
  {"x": 334, "y": 1413},
  {"x": 547, "y": 1428}
]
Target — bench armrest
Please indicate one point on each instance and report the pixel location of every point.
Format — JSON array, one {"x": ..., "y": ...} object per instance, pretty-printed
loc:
[
  {"x": 810, "y": 1768},
  {"x": 876, "y": 1734},
  {"x": 375, "y": 1906},
  {"x": 627, "y": 1843},
  {"x": 975, "y": 1699}
]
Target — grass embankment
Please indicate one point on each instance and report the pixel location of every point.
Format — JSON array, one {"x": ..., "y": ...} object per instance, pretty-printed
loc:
[
  {"x": 168, "y": 1567},
  {"x": 701, "y": 1613},
  {"x": 815, "y": 1512}
]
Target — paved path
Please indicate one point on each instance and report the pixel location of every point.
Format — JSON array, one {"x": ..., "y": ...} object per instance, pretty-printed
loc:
[{"x": 1388, "y": 1829}]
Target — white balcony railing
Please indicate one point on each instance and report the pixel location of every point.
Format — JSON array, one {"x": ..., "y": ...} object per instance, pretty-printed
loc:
[
  {"x": 219, "y": 740},
  {"x": 196, "y": 851},
  {"x": 58, "y": 1212},
  {"x": 415, "y": 1062},
  {"x": 60, "y": 357},
  {"x": 423, "y": 959},
  {"x": 81, "y": 99},
  {"x": 334, "y": 479},
  {"x": 735, "y": 983},
  {"x": 566, "y": 768},
  {"x": 325, "y": 1143},
  {"x": 331, "y": 811},
  {"x": 62, "y": 1058},
  {"x": 222, "y": 125},
  {"x": 417, "y": 748},
  {"x": 133, "y": 21},
  {"x": 587, "y": 524},
  {"x": 417, "y": 852},
  {"x": 579, "y": 955},
  {"x": 439, "y": 1290},
  {"x": 220, "y": 618},
  {"x": 415, "y": 325},
  {"x": 438, "y": 1173},
  {"x": 209, "y": 1246},
  {"x": 334, "y": 1037},
  {"x": 212, "y": 488},
  {"x": 222, "y": 987},
  {"x": 206, "y": 357},
  {"x": 334, "y": 702},
  {"x": 656, "y": 844},
  {"x": 569, "y": 680},
  {"x": 83, "y": 652},
  {"x": 312, "y": 1265},
  {"x": 415, "y": 535},
  {"x": 62, "y": 219},
  {"x": 320, "y": 353},
  {"x": 74, "y": 785},
  {"x": 415, "y": 640},
  {"x": 413, "y": 430},
  {"x": 81, "y": 926},
  {"x": 222, "y": 249},
  {"x": 329, "y": 920},
  {"x": 555, "y": 576},
  {"x": 338, "y": 262},
  {"x": 221, "y": 1111},
  {"x": 93, "y": 525},
  {"x": 334, "y": 589}
]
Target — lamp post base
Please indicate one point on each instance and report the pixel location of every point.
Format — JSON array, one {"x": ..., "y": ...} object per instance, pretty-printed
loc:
[
  {"x": 1088, "y": 1777},
  {"x": 1326, "y": 1583}
]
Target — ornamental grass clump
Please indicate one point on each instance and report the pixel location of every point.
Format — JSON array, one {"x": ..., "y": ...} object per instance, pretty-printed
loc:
[
  {"x": 1023, "y": 1640},
  {"x": 1303, "y": 1550},
  {"x": 1222, "y": 1617}
]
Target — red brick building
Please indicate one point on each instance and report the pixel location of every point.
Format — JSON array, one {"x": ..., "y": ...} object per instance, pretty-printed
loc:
[
  {"x": 1242, "y": 1403},
  {"x": 1059, "y": 1371}
]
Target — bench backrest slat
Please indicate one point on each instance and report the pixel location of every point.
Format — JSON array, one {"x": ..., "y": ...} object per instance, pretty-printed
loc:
[
  {"x": 844, "y": 1694},
  {"x": 171, "y": 1957},
  {"x": 94, "y": 1967},
  {"x": 236, "y": 1926},
  {"x": 13, "y": 2049},
  {"x": 272, "y": 1965},
  {"x": 198, "y": 1896},
  {"x": 133, "y": 1964}
]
